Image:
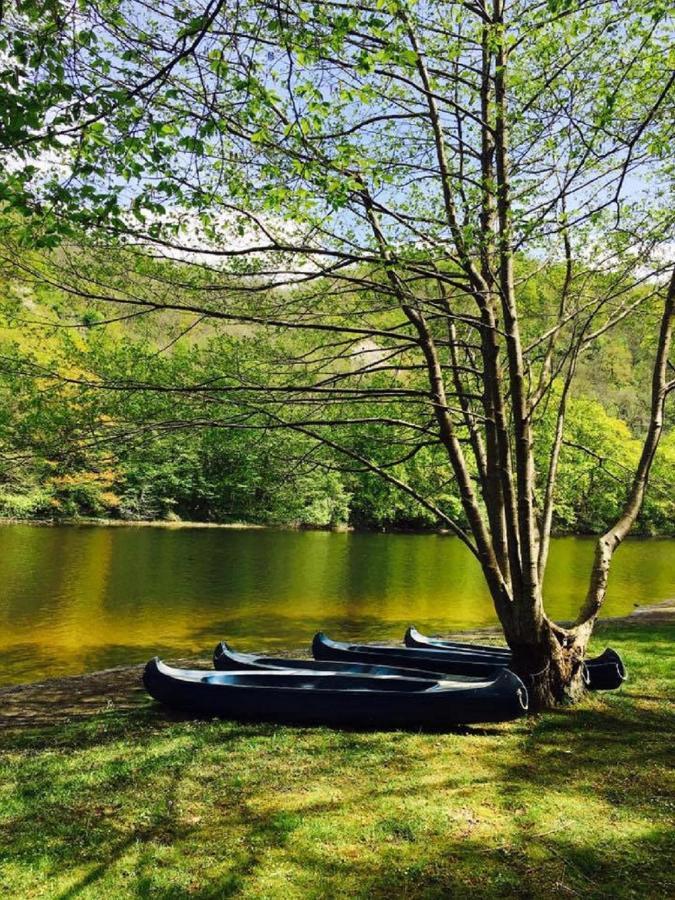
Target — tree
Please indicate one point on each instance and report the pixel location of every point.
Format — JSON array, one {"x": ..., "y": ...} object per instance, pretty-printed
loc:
[{"x": 376, "y": 185}]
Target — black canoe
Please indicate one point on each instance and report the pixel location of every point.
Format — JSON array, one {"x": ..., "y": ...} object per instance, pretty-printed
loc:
[
  {"x": 443, "y": 661},
  {"x": 335, "y": 699},
  {"x": 226, "y": 659},
  {"x": 604, "y": 673},
  {"x": 414, "y": 638}
]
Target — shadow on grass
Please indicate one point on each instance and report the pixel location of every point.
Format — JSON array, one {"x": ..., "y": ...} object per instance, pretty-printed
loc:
[
  {"x": 117, "y": 797},
  {"x": 450, "y": 869},
  {"x": 585, "y": 752}
]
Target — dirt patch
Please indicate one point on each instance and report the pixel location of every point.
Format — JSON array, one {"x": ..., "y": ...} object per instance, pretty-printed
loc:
[{"x": 659, "y": 612}]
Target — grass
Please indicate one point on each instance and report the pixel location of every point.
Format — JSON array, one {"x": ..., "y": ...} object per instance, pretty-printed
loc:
[{"x": 127, "y": 801}]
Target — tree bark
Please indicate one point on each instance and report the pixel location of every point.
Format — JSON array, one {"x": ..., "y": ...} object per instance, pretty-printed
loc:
[{"x": 551, "y": 666}]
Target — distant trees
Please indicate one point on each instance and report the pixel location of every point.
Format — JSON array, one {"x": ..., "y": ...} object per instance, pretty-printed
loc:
[
  {"x": 377, "y": 187},
  {"x": 72, "y": 449}
]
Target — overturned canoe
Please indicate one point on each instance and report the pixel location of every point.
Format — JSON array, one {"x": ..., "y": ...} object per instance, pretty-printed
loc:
[
  {"x": 603, "y": 673},
  {"x": 327, "y": 698},
  {"x": 435, "y": 660},
  {"x": 226, "y": 659}
]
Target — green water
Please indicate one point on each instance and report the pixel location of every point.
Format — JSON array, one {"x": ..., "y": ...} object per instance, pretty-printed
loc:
[{"x": 76, "y": 599}]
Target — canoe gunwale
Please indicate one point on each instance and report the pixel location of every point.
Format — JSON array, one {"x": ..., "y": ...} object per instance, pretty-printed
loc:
[{"x": 225, "y": 658}]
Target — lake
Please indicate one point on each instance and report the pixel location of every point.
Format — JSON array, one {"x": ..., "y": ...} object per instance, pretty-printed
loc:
[{"x": 80, "y": 598}]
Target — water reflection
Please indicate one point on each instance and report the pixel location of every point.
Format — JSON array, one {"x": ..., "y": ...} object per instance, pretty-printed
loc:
[{"x": 80, "y": 598}]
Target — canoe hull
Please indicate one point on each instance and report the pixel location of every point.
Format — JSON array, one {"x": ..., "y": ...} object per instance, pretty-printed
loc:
[
  {"x": 606, "y": 672},
  {"x": 602, "y": 673},
  {"x": 335, "y": 700},
  {"x": 447, "y": 662}
]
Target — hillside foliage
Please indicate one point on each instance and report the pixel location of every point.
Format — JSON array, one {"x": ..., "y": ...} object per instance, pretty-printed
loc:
[{"x": 73, "y": 450}]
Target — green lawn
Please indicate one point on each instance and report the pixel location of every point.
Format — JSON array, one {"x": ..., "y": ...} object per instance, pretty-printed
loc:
[{"x": 126, "y": 801}]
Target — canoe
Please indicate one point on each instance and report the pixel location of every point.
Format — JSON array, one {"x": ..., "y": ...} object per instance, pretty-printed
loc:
[
  {"x": 604, "y": 673},
  {"x": 329, "y": 698},
  {"x": 226, "y": 659},
  {"x": 435, "y": 660},
  {"x": 414, "y": 638}
]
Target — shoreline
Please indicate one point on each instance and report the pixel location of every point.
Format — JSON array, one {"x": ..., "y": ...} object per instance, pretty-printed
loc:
[
  {"x": 188, "y": 524},
  {"x": 122, "y": 684},
  {"x": 132, "y": 523}
]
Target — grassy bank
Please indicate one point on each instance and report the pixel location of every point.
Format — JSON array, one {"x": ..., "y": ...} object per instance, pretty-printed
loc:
[{"x": 109, "y": 796}]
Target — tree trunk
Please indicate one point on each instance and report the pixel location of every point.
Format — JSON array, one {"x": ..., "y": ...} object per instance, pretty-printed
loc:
[{"x": 550, "y": 664}]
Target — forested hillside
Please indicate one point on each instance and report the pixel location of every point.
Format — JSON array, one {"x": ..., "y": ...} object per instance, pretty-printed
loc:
[{"x": 82, "y": 436}]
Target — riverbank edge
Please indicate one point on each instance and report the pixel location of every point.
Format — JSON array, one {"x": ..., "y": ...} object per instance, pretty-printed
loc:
[
  {"x": 138, "y": 523},
  {"x": 177, "y": 524},
  {"x": 86, "y": 684}
]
